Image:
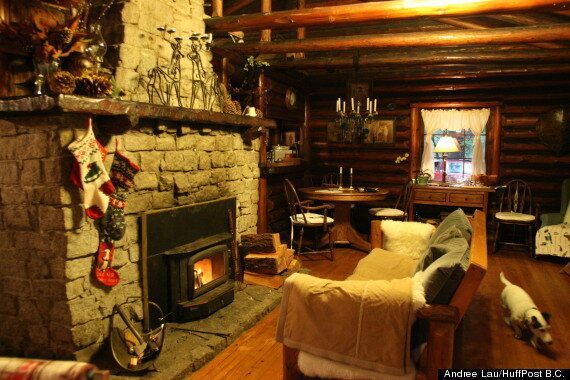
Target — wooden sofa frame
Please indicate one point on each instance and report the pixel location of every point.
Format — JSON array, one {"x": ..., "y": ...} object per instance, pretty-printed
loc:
[{"x": 442, "y": 319}]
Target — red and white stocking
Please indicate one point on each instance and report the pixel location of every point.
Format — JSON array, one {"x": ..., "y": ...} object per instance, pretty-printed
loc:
[
  {"x": 102, "y": 270},
  {"x": 89, "y": 173}
]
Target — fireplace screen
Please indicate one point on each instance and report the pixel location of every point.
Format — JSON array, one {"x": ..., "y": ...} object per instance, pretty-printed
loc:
[{"x": 208, "y": 269}]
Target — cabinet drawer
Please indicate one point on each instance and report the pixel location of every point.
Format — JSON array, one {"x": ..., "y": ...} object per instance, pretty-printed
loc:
[
  {"x": 427, "y": 195},
  {"x": 475, "y": 199}
]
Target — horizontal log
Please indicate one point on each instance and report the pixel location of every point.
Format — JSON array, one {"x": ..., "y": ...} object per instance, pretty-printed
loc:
[
  {"x": 538, "y": 33},
  {"x": 519, "y": 135},
  {"x": 412, "y": 58},
  {"x": 535, "y": 159},
  {"x": 522, "y": 147},
  {"x": 373, "y": 11},
  {"x": 509, "y": 110},
  {"x": 525, "y": 172},
  {"x": 509, "y": 121}
]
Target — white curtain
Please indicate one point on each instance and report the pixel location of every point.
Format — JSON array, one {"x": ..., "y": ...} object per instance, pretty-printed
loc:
[{"x": 455, "y": 120}]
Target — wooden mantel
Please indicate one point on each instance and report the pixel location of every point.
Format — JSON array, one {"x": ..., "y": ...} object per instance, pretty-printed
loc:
[{"x": 128, "y": 112}]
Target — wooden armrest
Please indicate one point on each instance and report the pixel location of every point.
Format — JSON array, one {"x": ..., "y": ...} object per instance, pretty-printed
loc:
[
  {"x": 306, "y": 202},
  {"x": 441, "y": 313},
  {"x": 321, "y": 207}
]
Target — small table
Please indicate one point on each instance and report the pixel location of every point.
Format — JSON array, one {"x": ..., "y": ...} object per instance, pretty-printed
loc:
[
  {"x": 461, "y": 196},
  {"x": 342, "y": 199}
]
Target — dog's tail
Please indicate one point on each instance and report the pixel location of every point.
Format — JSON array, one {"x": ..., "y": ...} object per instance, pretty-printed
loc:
[{"x": 504, "y": 279}]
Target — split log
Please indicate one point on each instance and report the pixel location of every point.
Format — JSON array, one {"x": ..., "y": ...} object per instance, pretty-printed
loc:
[
  {"x": 269, "y": 263},
  {"x": 260, "y": 243}
]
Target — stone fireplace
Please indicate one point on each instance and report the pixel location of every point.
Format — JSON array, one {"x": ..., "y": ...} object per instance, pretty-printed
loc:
[{"x": 47, "y": 245}]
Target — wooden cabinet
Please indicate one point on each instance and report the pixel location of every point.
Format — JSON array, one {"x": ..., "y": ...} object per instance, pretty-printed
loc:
[{"x": 468, "y": 196}]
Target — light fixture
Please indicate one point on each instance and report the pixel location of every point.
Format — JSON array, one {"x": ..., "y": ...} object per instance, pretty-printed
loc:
[
  {"x": 445, "y": 145},
  {"x": 352, "y": 123}
]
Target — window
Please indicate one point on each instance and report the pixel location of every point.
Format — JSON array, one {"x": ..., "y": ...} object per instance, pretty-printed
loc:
[{"x": 458, "y": 164}]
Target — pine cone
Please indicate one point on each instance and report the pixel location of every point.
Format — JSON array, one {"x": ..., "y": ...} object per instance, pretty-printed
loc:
[
  {"x": 93, "y": 85},
  {"x": 61, "y": 82},
  {"x": 61, "y": 37},
  {"x": 231, "y": 107}
]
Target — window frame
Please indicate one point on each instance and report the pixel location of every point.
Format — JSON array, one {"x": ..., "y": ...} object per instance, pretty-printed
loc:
[{"x": 493, "y": 137}]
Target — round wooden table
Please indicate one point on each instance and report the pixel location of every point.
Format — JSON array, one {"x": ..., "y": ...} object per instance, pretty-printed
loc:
[{"x": 343, "y": 232}]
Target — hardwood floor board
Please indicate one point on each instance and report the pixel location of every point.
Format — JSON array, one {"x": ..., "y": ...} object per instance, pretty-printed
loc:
[{"x": 483, "y": 340}]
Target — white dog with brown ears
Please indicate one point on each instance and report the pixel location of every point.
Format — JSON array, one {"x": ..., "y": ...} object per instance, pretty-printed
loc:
[{"x": 522, "y": 314}]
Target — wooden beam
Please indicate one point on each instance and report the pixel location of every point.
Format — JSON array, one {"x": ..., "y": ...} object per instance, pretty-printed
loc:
[
  {"x": 240, "y": 4},
  {"x": 539, "y": 33},
  {"x": 373, "y": 11},
  {"x": 266, "y": 8},
  {"x": 477, "y": 26},
  {"x": 217, "y": 8},
  {"x": 423, "y": 57},
  {"x": 478, "y": 86}
]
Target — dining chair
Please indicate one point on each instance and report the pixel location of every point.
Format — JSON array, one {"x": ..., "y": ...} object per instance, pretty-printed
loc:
[
  {"x": 303, "y": 217},
  {"x": 400, "y": 209},
  {"x": 515, "y": 209}
]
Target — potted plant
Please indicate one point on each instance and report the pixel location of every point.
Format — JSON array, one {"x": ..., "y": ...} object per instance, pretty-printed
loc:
[
  {"x": 423, "y": 177},
  {"x": 249, "y": 88}
]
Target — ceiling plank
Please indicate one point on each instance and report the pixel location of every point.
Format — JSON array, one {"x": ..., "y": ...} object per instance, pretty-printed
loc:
[
  {"x": 423, "y": 57},
  {"x": 528, "y": 34},
  {"x": 378, "y": 10}
]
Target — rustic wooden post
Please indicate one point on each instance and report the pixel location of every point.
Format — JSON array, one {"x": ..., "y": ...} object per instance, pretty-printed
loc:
[
  {"x": 217, "y": 8},
  {"x": 266, "y": 8},
  {"x": 496, "y": 155},
  {"x": 415, "y": 141}
]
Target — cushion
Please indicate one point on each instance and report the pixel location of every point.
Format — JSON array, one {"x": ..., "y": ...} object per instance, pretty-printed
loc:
[
  {"x": 386, "y": 212},
  {"x": 380, "y": 264},
  {"x": 514, "y": 217},
  {"x": 407, "y": 238},
  {"x": 567, "y": 214},
  {"x": 312, "y": 218},
  {"x": 439, "y": 247},
  {"x": 443, "y": 276},
  {"x": 456, "y": 218}
]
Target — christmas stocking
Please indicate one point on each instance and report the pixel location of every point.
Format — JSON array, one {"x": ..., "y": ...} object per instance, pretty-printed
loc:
[
  {"x": 91, "y": 176},
  {"x": 103, "y": 271},
  {"x": 123, "y": 170}
]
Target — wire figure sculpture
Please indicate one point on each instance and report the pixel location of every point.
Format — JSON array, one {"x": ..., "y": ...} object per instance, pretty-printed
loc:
[{"x": 165, "y": 82}]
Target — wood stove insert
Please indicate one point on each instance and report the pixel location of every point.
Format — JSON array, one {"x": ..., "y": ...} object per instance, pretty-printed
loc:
[{"x": 187, "y": 253}]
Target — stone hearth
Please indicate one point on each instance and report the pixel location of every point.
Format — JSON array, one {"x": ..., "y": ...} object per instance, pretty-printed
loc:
[{"x": 47, "y": 245}]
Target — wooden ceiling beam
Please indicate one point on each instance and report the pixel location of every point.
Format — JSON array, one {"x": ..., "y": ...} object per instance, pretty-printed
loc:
[
  {"x": 374, "y": 11},
  {"x": 528, "y": 34},
  {"x": 240, "y": 4},
  {"x": 423, "y": 57},
  {"x": 519, "y": 19}
]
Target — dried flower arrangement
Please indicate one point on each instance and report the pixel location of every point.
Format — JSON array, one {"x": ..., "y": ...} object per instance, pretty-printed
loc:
[{"x": 53, "y": 33}]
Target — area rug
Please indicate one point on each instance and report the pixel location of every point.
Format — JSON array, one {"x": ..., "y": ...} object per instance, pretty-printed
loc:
[{"x": 189, "y": 346}]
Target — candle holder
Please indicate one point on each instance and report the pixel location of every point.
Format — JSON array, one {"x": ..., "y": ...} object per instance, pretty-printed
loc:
[
  {"x": 340, "y": 180},
  {"x": 351, "y": 187}
]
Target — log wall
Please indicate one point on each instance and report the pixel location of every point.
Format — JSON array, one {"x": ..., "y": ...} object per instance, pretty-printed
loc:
[{"x": 522, "y": 156}]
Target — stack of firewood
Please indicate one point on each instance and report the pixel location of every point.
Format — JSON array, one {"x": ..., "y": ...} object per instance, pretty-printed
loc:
[{"x": 266, "y": 259}]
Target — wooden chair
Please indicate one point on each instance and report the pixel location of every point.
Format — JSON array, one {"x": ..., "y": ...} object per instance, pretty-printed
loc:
[
  {"x": 515, "y": 209},
  {"x": 304, "y": 216},
  {"x": 400, "y": 210}
]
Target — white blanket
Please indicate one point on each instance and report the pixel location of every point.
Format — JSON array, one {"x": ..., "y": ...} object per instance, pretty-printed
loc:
[{"x": 552, "y": 240}]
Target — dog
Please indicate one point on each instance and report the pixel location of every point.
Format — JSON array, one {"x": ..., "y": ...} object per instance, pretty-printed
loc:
[{"x": 522, "y": 314}]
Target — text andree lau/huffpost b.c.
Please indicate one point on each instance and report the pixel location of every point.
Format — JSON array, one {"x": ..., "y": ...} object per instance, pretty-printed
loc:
[{"x": 504, "y": 374}]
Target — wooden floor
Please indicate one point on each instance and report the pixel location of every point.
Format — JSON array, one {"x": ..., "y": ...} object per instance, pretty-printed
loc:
[{"x": 483, "y": 341}]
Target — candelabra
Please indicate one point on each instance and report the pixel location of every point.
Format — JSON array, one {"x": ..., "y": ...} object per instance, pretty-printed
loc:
[{"x": 353, "y": 126}]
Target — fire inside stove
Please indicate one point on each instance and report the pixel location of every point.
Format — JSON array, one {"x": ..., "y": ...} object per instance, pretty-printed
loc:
[{"x": 208, "y": 270}]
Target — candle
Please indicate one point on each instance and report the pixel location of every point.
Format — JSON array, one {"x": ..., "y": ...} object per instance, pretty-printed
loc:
[
  {"x": 350, "y": 170},
  {"x": 358, "y": 108},
  {"x": 367, "y": 104},
  {"x": 375, "y": 105},
  {"x": 343, "y": 107},
  {"x": 352, "y": 104},
  {"x": 340, "y": 170}
]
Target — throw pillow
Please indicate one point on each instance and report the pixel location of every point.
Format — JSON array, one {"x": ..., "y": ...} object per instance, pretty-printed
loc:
[
  {"x": 443, "y": 276},
  {"x": 456, "y": 218},
  {"x": 440, "y": 246},
  {"x": 406, "y": 238},
  {"x": 567, "y": 214}
]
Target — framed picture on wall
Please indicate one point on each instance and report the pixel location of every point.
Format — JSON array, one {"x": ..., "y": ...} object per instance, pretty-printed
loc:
[
  {"x": 382, "y": 131},
  {"x": 290, "y": 138},
  {"x": 359, "y": 91}
]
